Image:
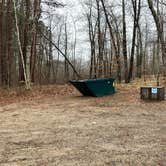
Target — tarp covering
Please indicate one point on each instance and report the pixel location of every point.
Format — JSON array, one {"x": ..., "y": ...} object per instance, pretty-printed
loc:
[{"x": 95, "y": 87}]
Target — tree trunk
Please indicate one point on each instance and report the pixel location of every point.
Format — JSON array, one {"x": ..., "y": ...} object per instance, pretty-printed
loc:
[
  {"x": 140, "y": 52},
  {"x": 4, "y": 59},
  {"x": 27, "y": 83},
  {"x": 113, "y": 43},
  {"x": 125, "y": 42},
  {"x": 100, "y": 40},
  {"x": 66, "y": 53},
  {"x": 36, "y": 16},
  {"x": 10, "y": 66},
  {"x": 137, "y": 9},
  {"x": 57, "y": 63},
  {"x": 159, "y": 26}
]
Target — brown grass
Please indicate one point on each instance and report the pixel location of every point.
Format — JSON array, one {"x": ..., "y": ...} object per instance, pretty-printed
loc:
[{"x": 56, "y": 126}]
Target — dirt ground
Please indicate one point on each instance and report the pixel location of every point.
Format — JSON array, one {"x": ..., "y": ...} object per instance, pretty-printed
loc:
[{"x": 70, "y": 130}]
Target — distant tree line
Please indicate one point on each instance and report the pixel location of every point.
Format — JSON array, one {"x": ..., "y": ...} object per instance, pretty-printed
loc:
[
  {"x": 26, "y": 56},
  {"x": 112, "y": 53},
  {"x": 28, "y": 46}
]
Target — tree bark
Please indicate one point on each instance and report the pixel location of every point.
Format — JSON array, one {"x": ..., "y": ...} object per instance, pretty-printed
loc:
[
  {"x": 160, "y": 31},
  {"x": 113, "y": 42},
  {"x": 27, "y": 83},
  {"x": 4, "y": 72},
  {"x": 66, "y": 53},
  {"x": 11, "y": 69},
  {"x": 125, "y": 42},
  {"x": 137, "y": 10},
  {"x": 100, "y": 40},
  {"x": 36, "y": 16}
]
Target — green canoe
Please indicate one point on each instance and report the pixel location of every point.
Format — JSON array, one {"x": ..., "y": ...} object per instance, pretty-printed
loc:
[{"x": 95, "y": 87}]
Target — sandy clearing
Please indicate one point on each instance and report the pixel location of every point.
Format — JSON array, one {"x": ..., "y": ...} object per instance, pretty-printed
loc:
[{"x": 80, "y": 131}]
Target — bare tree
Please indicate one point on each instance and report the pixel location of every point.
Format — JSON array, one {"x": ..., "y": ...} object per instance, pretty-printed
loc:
[
  {"x": 113, "y": 41},
  {"x": 137, "y": 9},
  {"x": 26, "y": 70},
  {"x": 125, "y": 42},
  {"x": 159, "y": 25},
  {"x": 92, "y": 27}
]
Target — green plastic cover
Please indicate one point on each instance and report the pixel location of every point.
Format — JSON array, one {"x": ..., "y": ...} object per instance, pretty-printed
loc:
[{"x": 95, "y": 87}]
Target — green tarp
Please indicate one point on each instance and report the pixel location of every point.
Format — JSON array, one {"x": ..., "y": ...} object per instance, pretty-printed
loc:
[{"x": 95, "y": 87}]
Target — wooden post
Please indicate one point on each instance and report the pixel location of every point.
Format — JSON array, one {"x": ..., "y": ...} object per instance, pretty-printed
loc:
[{"x": 152, "y": 93}]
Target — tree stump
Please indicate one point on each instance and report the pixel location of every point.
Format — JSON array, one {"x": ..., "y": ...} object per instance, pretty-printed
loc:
[{"x": 152, "y": 93}]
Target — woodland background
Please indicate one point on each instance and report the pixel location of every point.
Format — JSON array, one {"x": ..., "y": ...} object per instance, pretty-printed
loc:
[{"x": 125, "y": 39}]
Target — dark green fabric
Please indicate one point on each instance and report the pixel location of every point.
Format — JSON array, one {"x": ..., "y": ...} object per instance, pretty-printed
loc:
[{"x": 95, "y": 87}]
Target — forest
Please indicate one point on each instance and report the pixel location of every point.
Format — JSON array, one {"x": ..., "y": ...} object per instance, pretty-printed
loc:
[
  {"x": 82, "y": 82},
  {"x": 124, "y": 40}
]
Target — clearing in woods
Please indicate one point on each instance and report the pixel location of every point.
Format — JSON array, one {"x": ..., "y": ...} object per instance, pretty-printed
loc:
[{"x": 59, "y": 127}]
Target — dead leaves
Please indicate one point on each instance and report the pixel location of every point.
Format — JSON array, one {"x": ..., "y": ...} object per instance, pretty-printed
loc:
[{"x": 37, "y": 92}]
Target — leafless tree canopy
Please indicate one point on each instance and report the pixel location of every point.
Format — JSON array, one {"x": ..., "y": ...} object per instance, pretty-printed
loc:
[{"x": 39, "y": 41}]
